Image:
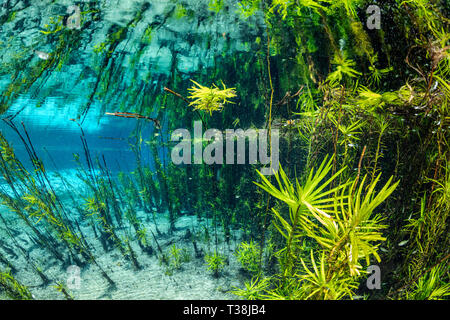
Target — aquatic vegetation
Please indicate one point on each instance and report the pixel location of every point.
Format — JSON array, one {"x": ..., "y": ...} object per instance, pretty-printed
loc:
[
  {"x": 101, "y": 47},
  {"x": 344, "y": 67},
  {"x": 13, "y": 288},
  {"x": 38, "y": 201},
  {"x": 343, "y": 236},
  {"x": 430, "y": 286},
  {"x": 216, "y": 262},
  {"x": 147, "y": 37},
  {"x": 345, "y": 233},
  {"x": 60, "y": 287},
  {"x": 210, "y": 99},
  {"x": 254, "y": 289},
  {"x": 248, "y": 254},
  {"x": 248, "y": 7},
  {"x": 363, "y": 118},
  {"x": 216, "y": 5},
  {"x": 175, "y": 257},
  {"x": 55, "y": 26},
  {"x": 377, "y": 74}
]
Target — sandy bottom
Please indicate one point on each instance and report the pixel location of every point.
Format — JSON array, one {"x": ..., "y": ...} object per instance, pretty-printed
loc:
[{"x": 154, "y": 280}]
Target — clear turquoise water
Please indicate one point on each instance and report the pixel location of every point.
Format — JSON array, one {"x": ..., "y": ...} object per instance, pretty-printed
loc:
[{"x": 161, "y": 45}]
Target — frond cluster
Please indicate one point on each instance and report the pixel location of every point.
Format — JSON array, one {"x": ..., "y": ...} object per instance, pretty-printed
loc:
[{"x": 210, "y": 99}]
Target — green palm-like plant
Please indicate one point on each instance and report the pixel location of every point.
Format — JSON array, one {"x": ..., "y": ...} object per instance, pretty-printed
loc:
[
  {"x": 349, "y": 133},
  {"x": 318, "y": 284},
  {"x": 312, "y": 200},
  {"x": 210, "y": 99},
  {"x": 298, "y": 196},
  {"x": 344, "y": 67},
  {"x": 353, "y": 228},
  {"x": 61, "y": 287},
  {"x": 39, "y": 209},
  {"x": 376, "y": 74},
  {"x": 340, "y": 219},
  {"x": 93, "y": 206},
  {"x": 142, "y": 236}
]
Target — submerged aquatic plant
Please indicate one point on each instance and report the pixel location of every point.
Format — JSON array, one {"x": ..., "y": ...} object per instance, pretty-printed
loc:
[
  {"x": 216, "y": 5},
  {"x": 215, "y": 262},
  {"x": 340, "y": 220},
  {"x": 175, "y": 257},
  {"x": 344, "y": 67},
  {"x": 320, "y": 283},
  {"x": 248, "y": 255},
  {"x": 13, "y": 288},
  {"x": 254, "y": 289},
  {"x": 210, "y": 99},
  {"x": 61, "y": 287},
  {"x": 430, "y": 286}
]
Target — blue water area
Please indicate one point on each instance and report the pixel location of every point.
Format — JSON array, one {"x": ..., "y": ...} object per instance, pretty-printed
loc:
[
  {"x": 89, "y": 103},
  {"x": 56, "y": 136}
]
